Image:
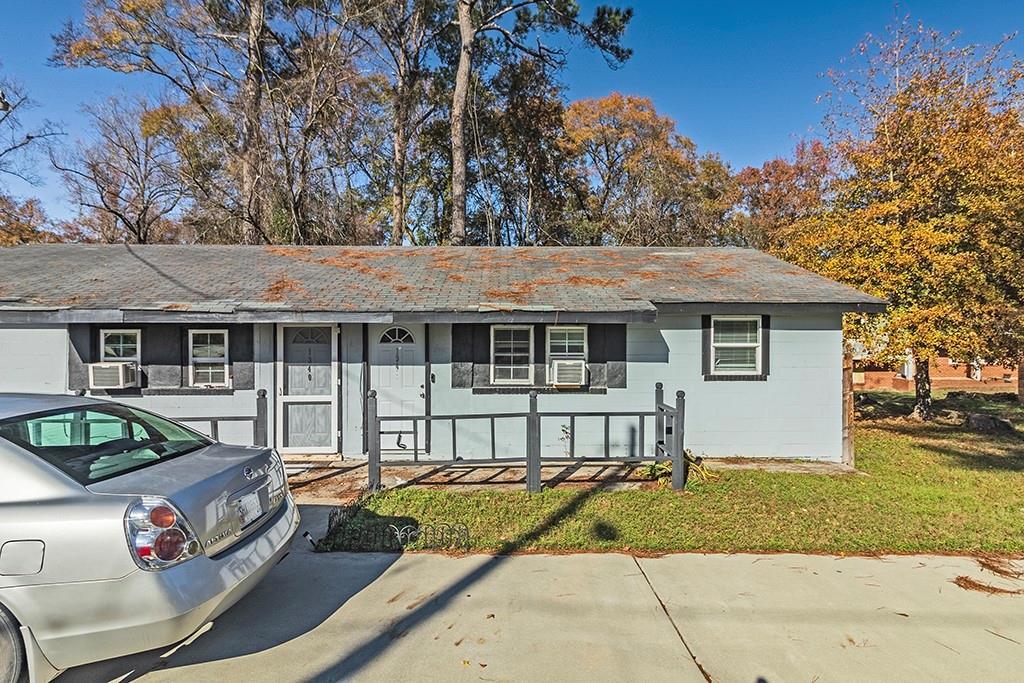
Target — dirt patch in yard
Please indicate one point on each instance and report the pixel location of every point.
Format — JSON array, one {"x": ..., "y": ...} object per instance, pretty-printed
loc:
[
  {"x": 336, "y": 485},
  {"x": 344, "y": 482},
  {"x": 780, "y": 465}
]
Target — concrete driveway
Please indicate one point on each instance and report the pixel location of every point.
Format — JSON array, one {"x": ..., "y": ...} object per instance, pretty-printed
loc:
[{"x": 329, "y": 617}]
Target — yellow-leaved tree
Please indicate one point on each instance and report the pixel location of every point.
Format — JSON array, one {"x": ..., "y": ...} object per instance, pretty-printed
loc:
[{"x": 928, "y": 202}]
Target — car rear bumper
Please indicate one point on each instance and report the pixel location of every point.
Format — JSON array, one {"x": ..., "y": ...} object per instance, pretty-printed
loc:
[{"x": 87, "y": 622}]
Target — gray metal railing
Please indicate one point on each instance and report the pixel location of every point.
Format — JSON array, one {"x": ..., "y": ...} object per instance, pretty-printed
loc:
[
  {"x": 259, "y": 420},
  {"x": 668, "y": 437}
]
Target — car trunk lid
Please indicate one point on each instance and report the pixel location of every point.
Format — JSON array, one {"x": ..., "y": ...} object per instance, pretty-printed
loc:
[{"x": 225, "y": 492}]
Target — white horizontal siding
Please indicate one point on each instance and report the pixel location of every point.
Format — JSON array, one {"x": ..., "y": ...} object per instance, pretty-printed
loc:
[{"x": 34, "y": 359}]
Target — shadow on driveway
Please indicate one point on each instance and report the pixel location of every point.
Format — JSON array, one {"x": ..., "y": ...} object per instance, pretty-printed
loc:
[
  {"x": 303, "y": 592},
  {"x": 298, "y": 595}
]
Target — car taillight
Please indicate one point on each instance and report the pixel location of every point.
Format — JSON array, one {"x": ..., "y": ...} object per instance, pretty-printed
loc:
[{"x": 159, "y": 536}]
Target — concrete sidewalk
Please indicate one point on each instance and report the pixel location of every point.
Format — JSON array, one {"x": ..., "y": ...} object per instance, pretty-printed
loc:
[{"x": 423, "y": 617}]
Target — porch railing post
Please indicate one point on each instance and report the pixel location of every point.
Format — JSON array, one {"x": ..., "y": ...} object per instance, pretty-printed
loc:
[
  {"x": 659, "y": 416},
  {"x": 533, "y": 447},
  {"x": 259, "y": 436},
  {"x": 680, "y": 465},
  {"x": 373, "y": 442}
]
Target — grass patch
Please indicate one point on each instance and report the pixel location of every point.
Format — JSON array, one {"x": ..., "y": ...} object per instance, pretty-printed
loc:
[{"x": 928, "y": 488}]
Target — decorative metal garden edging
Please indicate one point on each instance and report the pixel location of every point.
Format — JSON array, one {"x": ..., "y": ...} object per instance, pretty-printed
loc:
[{"x": 346, "y": 531}]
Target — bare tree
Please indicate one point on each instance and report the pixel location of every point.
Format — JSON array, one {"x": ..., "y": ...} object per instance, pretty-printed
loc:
[
  {"x": 530, "y": 18},
  {"x": 251, "y": 101},
  {"x": 310, "y": 105},
  {"x": 401, "y": 34},
  {"x": 124, "y": 176},
  {"x": 213, "y": 56},
  {"x": 16, "y": 141}
]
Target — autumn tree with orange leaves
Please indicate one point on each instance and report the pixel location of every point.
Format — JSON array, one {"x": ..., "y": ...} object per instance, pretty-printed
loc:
[
  {"x": 927, "y": 206},
  {"x": 774, "y": 196},
  {"x": 637, "y": 180}
]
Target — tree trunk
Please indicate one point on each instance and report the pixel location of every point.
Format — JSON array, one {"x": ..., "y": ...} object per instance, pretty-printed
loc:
[
  {"x": 1020, "y": 380},
  {"x": 399, "y": 153},
  {"x": 922, "y": 389},
  {"x": 467, "y": 35},
  {"x": 252, "y": 93}
]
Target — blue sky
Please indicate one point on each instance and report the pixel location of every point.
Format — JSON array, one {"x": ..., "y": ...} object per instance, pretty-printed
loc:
[{"x": 740, "y": 77}]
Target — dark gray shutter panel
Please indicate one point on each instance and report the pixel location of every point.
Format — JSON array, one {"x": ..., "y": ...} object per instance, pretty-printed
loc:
[
  {"x": 607, "y": 355},
  {"x": 481, "y": 355},
  {"x": 241, "y": 355},
  {"x": 163, "y": 363},
  {"x": 540, "y": 355},
  {"x": 462, "y": 355},
  {"x": 82, "y": 350},
  {"x": 766, "y": 329},
  {"x": 705, "y": 344}
]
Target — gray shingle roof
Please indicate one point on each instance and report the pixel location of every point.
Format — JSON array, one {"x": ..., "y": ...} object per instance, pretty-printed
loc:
[{"x": 233, "y": 279}]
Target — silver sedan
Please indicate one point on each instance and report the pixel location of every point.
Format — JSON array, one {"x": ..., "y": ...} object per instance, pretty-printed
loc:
[{"x": 121, "y": 531}]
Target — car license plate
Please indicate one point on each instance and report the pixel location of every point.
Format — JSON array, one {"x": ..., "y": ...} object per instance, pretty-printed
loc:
[{"x": 249, "y": 508}]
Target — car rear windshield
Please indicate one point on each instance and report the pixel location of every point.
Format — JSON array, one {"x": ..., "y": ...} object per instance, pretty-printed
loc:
[{"x": 96, "y": 442}]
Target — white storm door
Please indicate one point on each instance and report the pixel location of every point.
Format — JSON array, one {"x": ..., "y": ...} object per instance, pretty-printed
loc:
[
  {"x": 397, "y": 372},
  {"x": 307, "y": 389}
]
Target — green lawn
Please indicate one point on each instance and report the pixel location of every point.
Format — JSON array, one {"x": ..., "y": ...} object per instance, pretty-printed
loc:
[{"x": 925, "y": 488}]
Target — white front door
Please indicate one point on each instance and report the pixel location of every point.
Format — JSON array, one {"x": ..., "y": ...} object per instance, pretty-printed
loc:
[
  {"x": 307, "y": 388},
  {"x": 397, "y": 372}
]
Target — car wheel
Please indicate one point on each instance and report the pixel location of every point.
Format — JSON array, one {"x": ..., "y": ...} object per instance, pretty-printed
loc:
[{"x": 12, "y": 652}]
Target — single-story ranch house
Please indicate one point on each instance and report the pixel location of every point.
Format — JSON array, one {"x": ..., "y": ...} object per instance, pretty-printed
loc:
[{"x": 203, "y": 332}]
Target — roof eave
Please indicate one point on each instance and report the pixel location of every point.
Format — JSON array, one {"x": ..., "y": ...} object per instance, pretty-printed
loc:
[
  {"x": 115, "y": 316},
  {"x": 779, "y": 307}
]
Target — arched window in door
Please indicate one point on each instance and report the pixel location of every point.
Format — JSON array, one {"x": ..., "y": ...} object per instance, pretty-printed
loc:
[
  {"x": 311, "y": 335},
  {"x": 396, "y": 335}
]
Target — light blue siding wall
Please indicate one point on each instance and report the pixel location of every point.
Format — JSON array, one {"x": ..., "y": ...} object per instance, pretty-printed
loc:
[
  {"x": 35, "y": 359},
  {"x": 240, "y": 403},
  {"x": 352, "y": 399},
  {"x": 796, "y": 413}
]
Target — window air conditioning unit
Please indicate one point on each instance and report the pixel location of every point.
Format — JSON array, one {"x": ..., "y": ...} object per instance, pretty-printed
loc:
[
  {"x": 569, "y": 373},
  {"x": 113, "y": 375}
]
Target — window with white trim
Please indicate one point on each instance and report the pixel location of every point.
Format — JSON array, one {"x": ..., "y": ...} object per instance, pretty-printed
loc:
[
  {"x": 120, "y": 346},
  {"x": 511, "y": 354},
  {"x": 736, "y": 345},
  {"x": 565, "y": 342},
  {"x": 208, "y": 358}
]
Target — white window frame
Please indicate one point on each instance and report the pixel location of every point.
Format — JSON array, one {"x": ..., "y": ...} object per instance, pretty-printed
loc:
[
  {"x": 137, "y": 359},
  {"x": 192, "y": 360},
  {"x": 552, "y": 357},
  {"x": 529, "y": 379},
  {"x": 758, "y": 347}
]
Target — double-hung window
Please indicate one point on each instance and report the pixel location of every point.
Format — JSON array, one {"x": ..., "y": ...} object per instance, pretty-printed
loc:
[
  {"x": 208, "y": 358},
  {"x": 120, "y": 346},
  {"x": 736, "y": 345},
  {"x": 567, "y": 343},
  {"x": 512, "y": 354}
]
